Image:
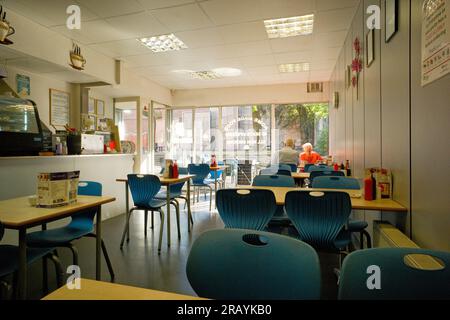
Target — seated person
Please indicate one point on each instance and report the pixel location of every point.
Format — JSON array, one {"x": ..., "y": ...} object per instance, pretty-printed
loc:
[
  {"x": 287, "y": 154},
  {"x": 308, "y": 155}
]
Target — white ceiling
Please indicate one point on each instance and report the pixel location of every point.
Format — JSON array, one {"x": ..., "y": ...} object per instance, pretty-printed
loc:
[{"x": 218, "y": 33}]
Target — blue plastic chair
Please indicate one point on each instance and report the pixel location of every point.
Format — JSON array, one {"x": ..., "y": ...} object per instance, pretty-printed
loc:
[
  {"x": 143, "y": 189},
  {"x": 320, "y": 217},
  {"x": 276, "y": 181},
  {"x": 327, "y": 173},
  {"x": 9, "y": 262},
  {"x": 320, "y": 167},
  {"x": 327, "y": 182},
  {"x": 246, "y": 208},
  {"x": 292, "y": 166},
  {"x": 398, "y": 280},
  {"x": 234, "y": 264},
  {"x": 201, "y": 172},
  {"x": 275, "y": 170},
  {"x": 81, "y": 225}
]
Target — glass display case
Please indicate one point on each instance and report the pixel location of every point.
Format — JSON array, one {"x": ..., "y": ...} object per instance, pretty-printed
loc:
[{"x": 20, "y": 127}]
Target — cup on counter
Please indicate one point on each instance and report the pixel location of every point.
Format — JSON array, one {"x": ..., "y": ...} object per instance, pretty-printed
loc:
[{"x": 32, "y": 200}]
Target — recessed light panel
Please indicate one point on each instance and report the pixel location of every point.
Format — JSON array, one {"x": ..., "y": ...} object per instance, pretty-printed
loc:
[
  {"x": 289, "y": 27},
  {"x": 163, "y": 43},
  {"x": 293, "y": 67},
  {"x": 205, "y": 75}
]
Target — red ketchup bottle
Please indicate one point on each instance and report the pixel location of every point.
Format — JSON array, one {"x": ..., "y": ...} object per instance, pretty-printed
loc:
[
  {"x": 175, "y": 170},
  {"x": 368, "y": 188}
]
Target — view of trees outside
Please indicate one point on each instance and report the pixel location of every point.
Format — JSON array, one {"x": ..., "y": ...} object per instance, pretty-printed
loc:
[{"x": 303, "y": 123}]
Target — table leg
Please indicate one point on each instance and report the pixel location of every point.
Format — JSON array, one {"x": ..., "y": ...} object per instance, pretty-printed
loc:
[
  {"x": 168, "y": 214},
  {"x": 44, "y": 268},
  {"x": 98, "y": 244},
  {"x": 22, "y": 274},
  {"x": 215, "y": 190},
  {"x": 127, "y": 207},
  {"x": 188, "y": 196}
]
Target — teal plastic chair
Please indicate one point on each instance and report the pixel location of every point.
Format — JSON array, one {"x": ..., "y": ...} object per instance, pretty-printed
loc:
[
  {"x": 320, "y": 218},
  {"x": 9, "y": 263},
  {"x": 324, "y": 173},
  {"x": 397, "y": 279},
  {"x": 293, "y": 166},
  {"x": 253, "y": 265},
  {"x": 144, "y": 188},
  {"x": 320, "y": 167},
  {"x": 280, "y": 216},
  {"x": 81, "y": 225},
  {"x": 246, "y": 208},
  {"x": 201, "y": 172},
  {"x": 339, "y": 182}
]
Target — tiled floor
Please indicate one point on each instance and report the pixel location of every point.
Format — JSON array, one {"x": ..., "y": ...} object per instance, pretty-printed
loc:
[{"x": 138, "y": 263}]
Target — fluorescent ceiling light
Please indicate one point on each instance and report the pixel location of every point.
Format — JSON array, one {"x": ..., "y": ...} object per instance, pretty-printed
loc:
[
  {"x": 289, "y": 27},
  {"x": 163, "y": 43},
  {"x": 294, "y": 67},
  {"x": 205, "y": 75},
  {"x": 227, "y": 72}
]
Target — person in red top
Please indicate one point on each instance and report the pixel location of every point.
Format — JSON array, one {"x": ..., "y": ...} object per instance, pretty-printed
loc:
[{"x": 308, "y": 155}]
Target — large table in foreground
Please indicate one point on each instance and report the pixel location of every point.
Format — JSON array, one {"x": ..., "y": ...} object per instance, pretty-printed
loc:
[
  {"x": 356, "y": 197},
  {"x": 17, "y": 214},
  {"x": 98, "y": 290}
]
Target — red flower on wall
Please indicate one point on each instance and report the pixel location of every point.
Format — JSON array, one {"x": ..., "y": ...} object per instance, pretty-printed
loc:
[
  {"x": 357, "y": 65},
  {"x": 356, "y": 62}
]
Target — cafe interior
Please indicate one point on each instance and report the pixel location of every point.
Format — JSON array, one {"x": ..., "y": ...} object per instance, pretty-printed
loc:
[{"x": 224, "y": 149}]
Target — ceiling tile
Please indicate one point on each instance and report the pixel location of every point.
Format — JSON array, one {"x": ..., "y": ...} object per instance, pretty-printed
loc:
[
  {"x": 232, "y": 11},
  {"x": 257, "y": 60},
  {"x": 243, "y": 32},
  {"x": 293, "y": 57},
  {"x": 329, "y": 40},
  {"x": 298, "y": 43},
  {"x": 263, "y": 71},
  {"x": 121, "y": 48},
  {"x": 111, "y": 8},
  {"x": 157, "y": 4},
  {"x": 183, "y": 18},
  {"x": 272, "y": 9},
  {"x": 93, "y": 32},
  {"x": 333, "y": 4},
  {"x": 333, "y": 20},
  {"x": 138, "y": 25},
  {"x": 201, "y": 38}
]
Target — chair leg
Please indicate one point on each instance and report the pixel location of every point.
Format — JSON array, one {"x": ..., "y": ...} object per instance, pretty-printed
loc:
[
  {"x": 145, "y": 222},
  {"x": 153, "y": 213},
  {"x": 185, "y": 204},
  {"x": 108, "y": 262},
  {"x": 177, "y": 207},
  {"x": 58, "y": 268},
  {"x": 74, "y": 253},
  {"x": 210, "y": 198},
  {"x": 4, "y": 288},
  {"x": 126, "y": 228},
  {"x": 368, "y": 238},
  {"x": 161, "y": 230},
  {"x": 44, "y": 276}
]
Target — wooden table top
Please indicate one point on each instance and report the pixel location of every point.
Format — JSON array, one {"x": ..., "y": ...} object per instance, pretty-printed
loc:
[
  {"x": 17, "y": 213},
  {"x": 356, "y": 198},
  {"x": 300, "y": 175},
  {"x": 99, "y": 290},
  {"x": 221, "y": 167},
  {"x": 167, "y": 181}
]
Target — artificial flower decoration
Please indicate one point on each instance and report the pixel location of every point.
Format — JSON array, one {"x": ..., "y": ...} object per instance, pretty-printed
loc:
[{"x": 356, "y": 65}]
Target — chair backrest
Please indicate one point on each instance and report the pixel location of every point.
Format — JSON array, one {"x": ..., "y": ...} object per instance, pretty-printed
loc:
[
  {"x": 274, "y": 170},
  {"x": 253, "y": 265},
  {"x": 2, "y": 230},
  {"x": 397, "y": 279},
  {"x": 273, "y": 181},
  {"x": 292, "y": 166},
  {"x": 200, "y": 171},
  {"x": 320, "y": 173},
  {"x": 86, "y": 188},
  {"x": 143, "y": 188},
  {"x": 335, "y": 182},
  {"x": 318, "y": 216},
  {"x": 246, "y": 208},
  {"x": 215, "y": 174},
  {"x": 320, "y": 167}
]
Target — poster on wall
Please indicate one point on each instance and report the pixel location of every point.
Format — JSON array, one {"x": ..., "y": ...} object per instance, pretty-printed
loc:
[
  {"x": 59, "y": 107},
  {"x": 435, "y": 40},
  {"x": 23, "y": 85}
]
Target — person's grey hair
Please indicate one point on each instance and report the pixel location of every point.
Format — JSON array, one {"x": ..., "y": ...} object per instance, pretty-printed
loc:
[{"x": 307, "y": 145}]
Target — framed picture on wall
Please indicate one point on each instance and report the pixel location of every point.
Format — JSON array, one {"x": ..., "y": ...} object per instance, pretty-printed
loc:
[
  {"x": 391, "y": 19},
  {"x": 100, "y": 107},
  {"x": 348, "y": 76},
  {"x": 370, "y": 51},
  {"x": 91, "y": 106}
]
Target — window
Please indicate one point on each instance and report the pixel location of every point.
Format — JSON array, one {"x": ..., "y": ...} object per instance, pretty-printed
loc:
[
  {"x": 208, "y": 138},
  {"x": 160, "y": 127},
  {"x": 181, "y": 141}
]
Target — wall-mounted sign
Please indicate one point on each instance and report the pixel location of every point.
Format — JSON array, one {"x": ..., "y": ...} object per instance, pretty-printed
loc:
[
  {"x": 59, "y": 107},
  {"x": 23, "y": 85},
  {"x": 435, "y": 40}
]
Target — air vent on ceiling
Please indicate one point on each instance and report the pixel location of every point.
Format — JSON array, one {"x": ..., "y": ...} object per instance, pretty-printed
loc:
[{"x": 314, "y": 87}]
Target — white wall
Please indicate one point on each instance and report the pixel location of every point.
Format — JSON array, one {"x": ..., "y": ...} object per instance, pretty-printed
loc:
[{"x": 284, "y": 93}]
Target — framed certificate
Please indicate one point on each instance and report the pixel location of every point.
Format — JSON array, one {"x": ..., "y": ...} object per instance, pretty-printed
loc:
[
  {"x": 59, "y": 108},
  {"x": 100, "y": 107}
]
